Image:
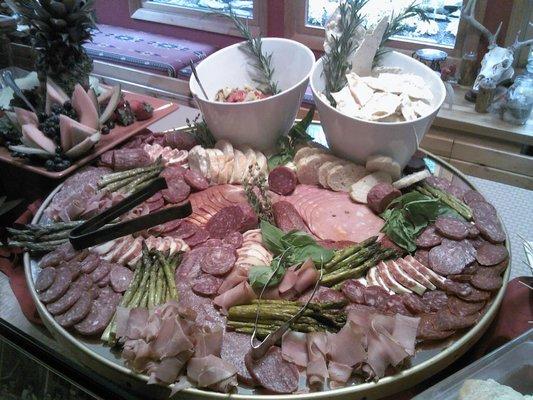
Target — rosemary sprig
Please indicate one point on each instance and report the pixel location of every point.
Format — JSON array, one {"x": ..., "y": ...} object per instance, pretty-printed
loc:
[
  {"x": 198, "y": 128},
  {"x": 262, "y": 62},
  {"x": 335, "y": 61},
  {"x": 255, "y": 189},
  {"x": 396, "y": 25}
]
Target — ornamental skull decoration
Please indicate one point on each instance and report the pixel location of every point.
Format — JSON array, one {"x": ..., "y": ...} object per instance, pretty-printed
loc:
[{"x": 497, "y": 63}]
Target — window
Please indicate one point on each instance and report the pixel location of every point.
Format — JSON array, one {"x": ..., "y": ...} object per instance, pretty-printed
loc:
[
  {"x": 444, "y": 30},
  {"x": 197, "y": 14}
]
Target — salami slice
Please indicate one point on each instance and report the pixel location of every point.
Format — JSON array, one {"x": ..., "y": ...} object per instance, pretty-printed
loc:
[
  {"x": 77, "y": 312},
  {"x": 213, "y": 243},
  {"x": 177, "y": 191},
  {"x": 155, "y": 205},
  {"x": 463, "y": 308},
  {"x": 206, "y": 285},
  {"x": 438, "y": 183},
  {"x": 74, "y": 267},
  {"x": 219, "y": 260},
  {"x": 457, "y": 191},
  {"x": 487, "y": 222},
  {"x": 472, "y": 196},
  {"x": 422, "y": 256},
  {"x": 501, "y": 267},
  {"x": 155, "y": 198},
  {"x": 435, "y": 300},
  {"x": 475, "y": 296},
  {"x": 463, "y": 278},
  {"x": 250, "y": 220},
  {"x": 354, "y": 291},
  {"x": 429, "y": 238},
  {"x": 415, "y": 304},
  {"x": 395, "y": 305},
  {"x": 323, "y": 295},
  {"x": 473, "y": 231},
  {"x": 45, "y": 279},
  {"x": 120, "y": 278},
  {"x": 201, "y": 236},
  {"x": 451, "y": 257},
  {"x": 477, "y": 242},
  {"x": 486, "y": 279},
  {"x": 235, "y": 239},
  {"x": 102, "y": 310},
  {"x": 90, "y": 263},
  {"x": 272, "y": 372},
  {"x": 471, "y": 269},
  {"x": 491, "y": 254},
  {"x": 195, "y": 180},
  {"x": 235, "y": 346},
  {"x": 282, "y": 180},
  {"x": 427, "y": 329},
  {"x": 59, "y": 287},
  {"x": 172, "y": 172},
  {"x": 452, "y": 228},
  {"x": 457, "y": 288},
  {"x": 227, "y": 220},
  {"x": 184, "y": 230},
  {"x": 446, "y": 321},
  {"x": 101, "y": 271},
  {"x": 376, "y": 296},
  {"x": 67, "y": 300},
  {"x": 287, "y": 217},
  {"x": 105, "y": 281}
]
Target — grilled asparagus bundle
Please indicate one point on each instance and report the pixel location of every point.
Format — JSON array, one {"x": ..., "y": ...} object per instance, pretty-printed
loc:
[
  {"x": 451, "y": 201},
  {"x": 41, "y": 238},
  {"x": 131, "y": 180}
]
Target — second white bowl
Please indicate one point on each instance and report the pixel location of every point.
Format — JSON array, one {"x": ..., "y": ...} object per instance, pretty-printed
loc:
[{"x": 257, "y": 123}]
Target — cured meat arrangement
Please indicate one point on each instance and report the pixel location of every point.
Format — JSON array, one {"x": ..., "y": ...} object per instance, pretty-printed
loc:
[{"x": 375, "y": 261}]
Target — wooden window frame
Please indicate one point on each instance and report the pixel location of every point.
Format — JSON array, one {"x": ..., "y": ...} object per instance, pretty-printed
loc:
[
  {"x": 296, "y": 28},
  {"x": 146, "y": 10}
]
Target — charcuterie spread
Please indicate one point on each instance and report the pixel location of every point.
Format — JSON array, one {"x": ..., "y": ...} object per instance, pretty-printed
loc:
[{"x": 402, "y": 258}]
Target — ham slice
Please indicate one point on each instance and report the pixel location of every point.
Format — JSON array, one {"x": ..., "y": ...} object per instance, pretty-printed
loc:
[
  {"x": 338, "y": 374},
  {"x": 240, "y": 294},
  {"x": 208, "y": 341},
  {"x": 212, "y": 372},
  {"x": 346, "y": 346},
  {"x": 333, "y": 216},
  {"x": 294, "y": 348},
  {"x": 317, "y": 347},
  {"x": 297, "y": 281}
]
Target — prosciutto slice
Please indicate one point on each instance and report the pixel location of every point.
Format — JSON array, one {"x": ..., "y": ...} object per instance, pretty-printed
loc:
[
  {"x": 317, "y": 347},
  {"x": 240, "y": 294},
  {"x": 294, "y": 348},
  {"x": 297, "y": 280},
  {"x": 212, "y": 372}
]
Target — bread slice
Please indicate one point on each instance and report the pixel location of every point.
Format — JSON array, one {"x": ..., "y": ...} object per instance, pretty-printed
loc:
[
  {"x": 411, "y": 179},
  {"x": 239, "y": 165},
  {"x": 307, "y": 167},
  {"x": 226, "y": 173},
  {"x": 262, "y": 162},
  {"x": 226, "y": 148},
  {"x": 306, "y": 151},
  {"x": 360, "y": 189},
  {"x": 197, "y": 160},
  {"x": 215, "y": 161},
  {"x": 324, "y": 170},
  {"x": 384, "y": 163},
  {"x": 249, "y": 153},
  {"x": 342, "y": 177}
]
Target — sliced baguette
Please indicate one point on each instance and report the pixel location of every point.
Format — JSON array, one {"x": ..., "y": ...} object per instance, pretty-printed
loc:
[
  {"x": 262, "y": 162},
  {"x": 342, "y": 177},
  {"x": 197, "y": 160},
  {"x": 225, "y": 147},
  {"x": 324, "y": 170},
  {"x": 214, "y": 157},
  {"x": 384, "y": 163},
  {"x": 307, "y": 151},
  {"x": 360, "y": 189},
  {"x": 411, "y": 179},
  {"x": 249, "y": 153},
  {"x": 307, "y": 167},
  {"x": 226, "y": 173},
  {"x": 239, "y": 166}
]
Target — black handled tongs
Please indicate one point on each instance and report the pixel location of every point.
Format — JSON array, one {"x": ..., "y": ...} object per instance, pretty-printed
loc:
[{"x": 93, "y": 232}]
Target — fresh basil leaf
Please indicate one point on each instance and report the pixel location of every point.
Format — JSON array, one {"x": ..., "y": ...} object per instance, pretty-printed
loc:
[
  {"x": 317, "y": 253},
  {"x": 259, "y": 275},
  {"x": 272, "y": 237},
  {"x": 297, "y": 239},
  {"x": 278, "y": 159}
]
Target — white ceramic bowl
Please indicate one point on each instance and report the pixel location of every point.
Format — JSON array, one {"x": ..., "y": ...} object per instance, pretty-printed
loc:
[
  {"x": 257, "y": 123},
  {"x": 357, "y": 139}
]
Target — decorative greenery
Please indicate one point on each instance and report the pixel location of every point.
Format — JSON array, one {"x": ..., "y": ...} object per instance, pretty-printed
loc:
[
  {"x": 198, "y": 128},
  {"x": 58, "y": 30},
  {"x": 9, "y": 133},
  {"x": 262, "y": 62},
  {"x": 287, "y": 144},
  {"x": 256, "y": 191}
]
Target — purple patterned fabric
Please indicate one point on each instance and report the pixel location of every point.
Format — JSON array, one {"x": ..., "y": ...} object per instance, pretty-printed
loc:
[{"x": 148, "y": 51}]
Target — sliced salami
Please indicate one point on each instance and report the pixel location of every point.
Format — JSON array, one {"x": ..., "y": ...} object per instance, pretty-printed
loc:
[
  {"x": 395, "y": 305},
  {"x": 59, "y": 287},
  {"x": 463, "y": 308},
  {"x": 436, "y": 300},
  {"x": 428, "y": 238},
  {"x": 177, "y": 191},
  {"x": 206, "y": 285},
  {"x": 486, "y": 279},
  {"x": 90, "y": 263},
  {"x": 155, "y": 198},
  {"x": 77, "y": 312},
  {"x": 101, "y": 271},
  {"x": 235, "y": 346},
  {"x": 155, "y": 205},
  {"x": 184, "y": 230},
  {"x": 477, "y": 242},
  {"x": 491, "y": 254},
  {"x": 422, "y": 256},
  {"x": 219, "y": 260},
  {"x": 195, "y": 180},
  {"x": 172, "y": 172},
  {"x": 451, "y": 257},
  {"x": 427, "y": 329},
  {"x": 250, "y": 220},
  {"x": 287, "y": 217},
  {"x": 282, "y": 180},
  {"x": 45, "y": 279},
  {"x": 446, "y": 321},
  {"x": 354, "y": 291},
  {"x": 213, "y": 243},
  {"x": 376, "y": 296},
  {"x": 201, "y": 236},
  {"x": 457, "y": 191},
  {"x": 415, "y": 304},
  {"x": 235, "y": 239},
  {"x": 272, "y": 372},
  {"x": 472, "y": 196},
  {"x": 67, "y": 300},
  {"x": 102, "y": 310},
  {"x": 226, "y": 221},
  {"x": 455, "y": 287},
  {"x": 120, "y": 278},
  {"x": 105, "y": 281},
  {"x": 475, "y": 296},
  {"x": 323, "y": 295},
  {"x": 487, "y": 222},
  {"x": 473, "y": 231},
  {"x": 74, "y": 266},
  {"x": 452, "y": 228},
  {"x": 438, "y": 183}
]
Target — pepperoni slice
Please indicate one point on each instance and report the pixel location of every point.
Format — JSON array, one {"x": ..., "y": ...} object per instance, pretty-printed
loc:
[
  {"x": 436, "y": 300},
  {"x": 272, "y": 372},
  {"x": 452, "y": 228},
  {"x": 195, "y": 180},
  {"x": 429, "y": 237},
  {"x": 219, "y": 260},
  {"x": 491, "y": 254},
  {"x": 282, "y": 180},
  {"x": 45, "y": 279},
  {"x": 206, "y": 285}
]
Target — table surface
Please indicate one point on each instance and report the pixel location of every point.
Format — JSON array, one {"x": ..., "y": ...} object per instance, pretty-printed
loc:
[{"x": 512, "y": 203}]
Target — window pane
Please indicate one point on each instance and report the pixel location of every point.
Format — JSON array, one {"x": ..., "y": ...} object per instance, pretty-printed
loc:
[
  {"x": 243, "y": 8},
  {"x": 441, "y": 29}
]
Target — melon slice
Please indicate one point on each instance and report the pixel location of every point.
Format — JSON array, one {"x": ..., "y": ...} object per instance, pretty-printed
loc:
[
  {"x": 92, "y": 95},
  {"x": 85, "y": 108},
  {"x": 105, "y": 96},
  {"x": 84, "y": 147},
  {"x": 31, "y": 151},
  {"x": 26, "y": 117},
  {"x": 39, "y": 139},
  {"x": 72, "y": 132},
  {"x": 111, "y": 105},
  {"x": 54, "y": 95}
]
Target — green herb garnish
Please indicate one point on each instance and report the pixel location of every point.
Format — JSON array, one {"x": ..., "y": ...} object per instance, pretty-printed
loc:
[
  {"x": 198, "y": 128},
  {"x": 256, "y": 192},
  {"x": 290, "y": 248}
]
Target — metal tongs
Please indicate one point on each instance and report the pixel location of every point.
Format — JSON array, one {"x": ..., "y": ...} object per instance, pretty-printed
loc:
[
  {"x": 92, "y": 232},
  {"x": 258, "y": 351}
]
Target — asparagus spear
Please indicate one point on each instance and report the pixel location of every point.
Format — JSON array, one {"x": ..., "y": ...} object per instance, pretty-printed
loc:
[
  {"x": 161, "y": 286},
  {"x": 153, "y": 282},
  {"x": 169, "y": 276},
  {"x": 355, "y": 259},
  {"x": 348, "y": 251},
  {"x": 447, "y": 199},
  {"x": 37, "y": 247},
  {"x": 118, "y": 176},
  {"x": 132, "y": 186}
]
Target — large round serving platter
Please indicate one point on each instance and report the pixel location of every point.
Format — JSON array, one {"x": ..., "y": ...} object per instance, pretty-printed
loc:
[{"x": 427, "y": 361}]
